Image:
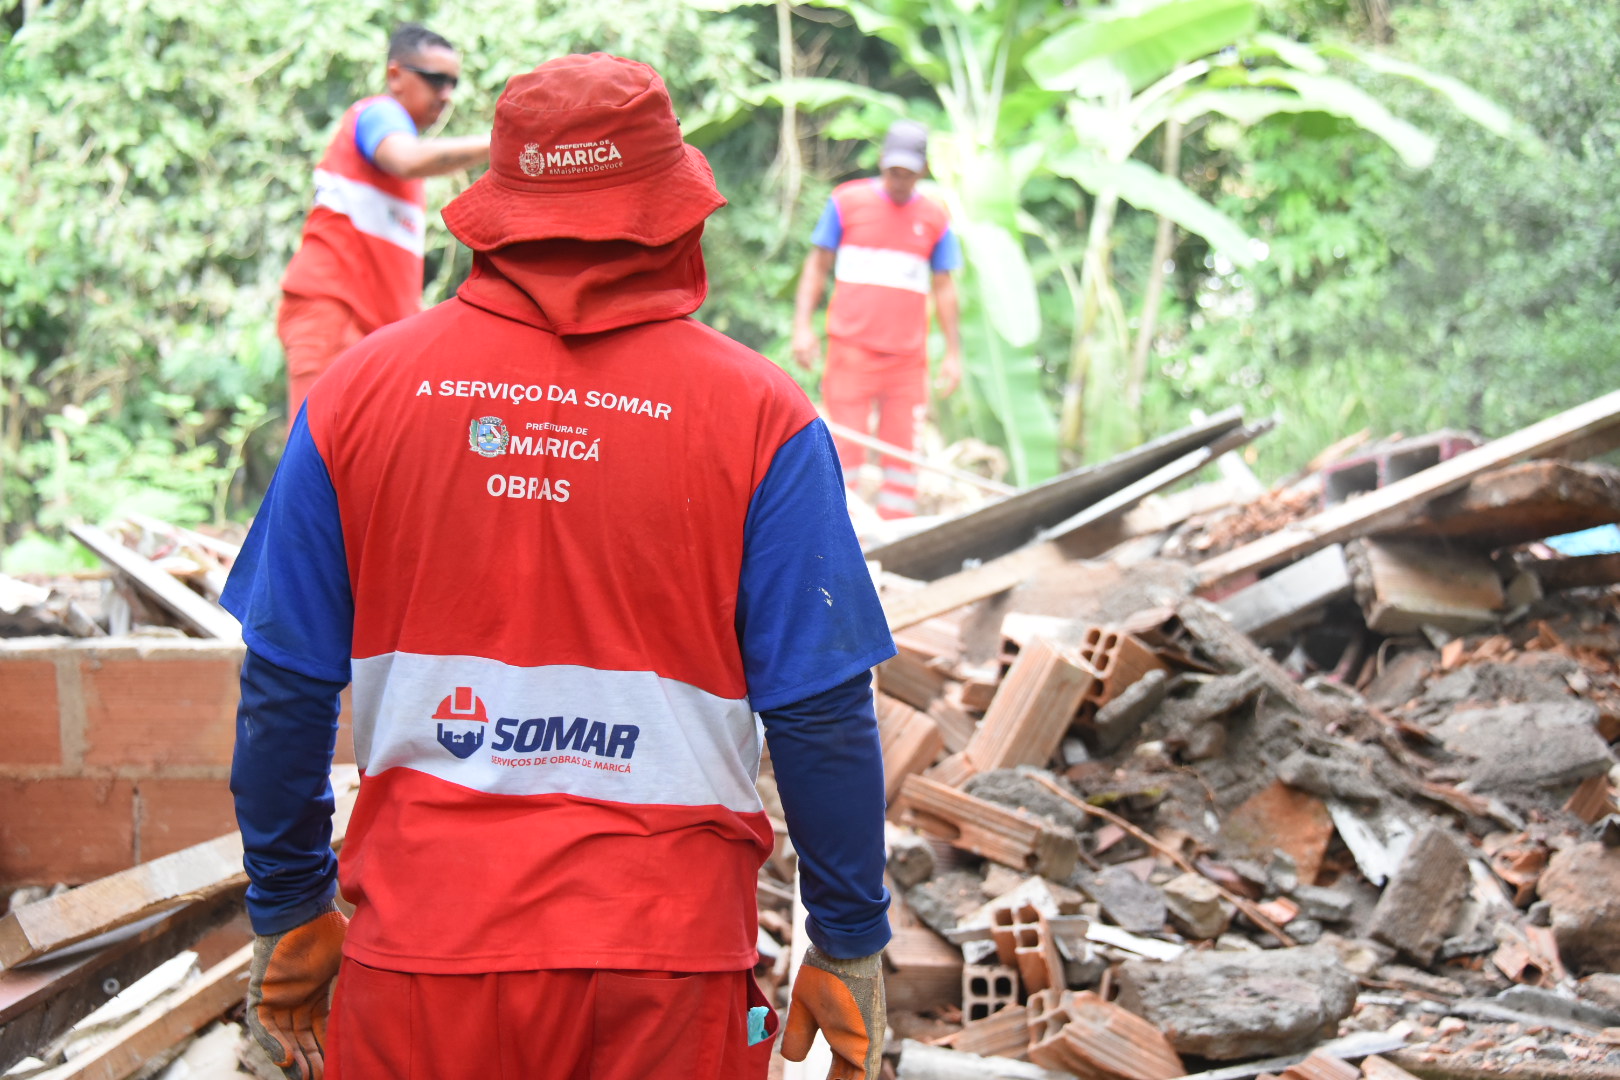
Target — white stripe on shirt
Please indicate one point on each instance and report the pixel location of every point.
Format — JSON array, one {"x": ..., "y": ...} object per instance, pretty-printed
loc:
[
  {"x": 882, "y": 266},
  {"x": 373, "y": 211},
  {"x": 690, "y": 747}
]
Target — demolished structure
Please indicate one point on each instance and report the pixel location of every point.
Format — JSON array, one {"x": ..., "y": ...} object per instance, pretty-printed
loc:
[{"x": 1316, "y": 782}]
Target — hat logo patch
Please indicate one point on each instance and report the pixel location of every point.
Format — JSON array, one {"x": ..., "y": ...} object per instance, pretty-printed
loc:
[
  {"x": 571, "y": 159},
  {"x": 531, "y": 161}
]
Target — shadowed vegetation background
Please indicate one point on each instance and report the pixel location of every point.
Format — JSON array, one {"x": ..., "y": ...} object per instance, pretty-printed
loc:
[{"x": 155, "y": 162}]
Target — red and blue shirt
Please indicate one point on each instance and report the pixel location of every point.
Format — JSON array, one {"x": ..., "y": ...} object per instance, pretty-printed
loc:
[
  {"x": 363, "y": 238},
  {"x": 564, "y": 574},
  {"x": 887, "y": 254}
]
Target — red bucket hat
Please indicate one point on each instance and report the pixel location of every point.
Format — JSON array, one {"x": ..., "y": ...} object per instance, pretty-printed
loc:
[{"x": 587, "y": 148}]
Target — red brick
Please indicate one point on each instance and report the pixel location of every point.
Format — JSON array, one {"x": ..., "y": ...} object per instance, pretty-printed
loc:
[
  {"x": 176, "y": 814},
  {"x": 156, "y": 710},
  {"x": 67, "y": 830},
  {"x": 29, "y": 732}
]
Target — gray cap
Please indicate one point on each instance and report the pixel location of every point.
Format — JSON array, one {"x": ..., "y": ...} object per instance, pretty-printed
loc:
[{"x": 905, "y": 147}]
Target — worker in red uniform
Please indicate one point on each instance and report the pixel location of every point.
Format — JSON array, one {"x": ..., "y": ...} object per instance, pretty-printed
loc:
[
  {"x": 359, "y": 265},
  {"x": 889, "y": 248},
  {"x": 579, "y": 558}
]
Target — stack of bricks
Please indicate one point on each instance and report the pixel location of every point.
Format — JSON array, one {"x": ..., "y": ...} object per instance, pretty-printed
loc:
[
  {"x": 114, "y": 752},
  {"x": 1093, "y": 1039}
]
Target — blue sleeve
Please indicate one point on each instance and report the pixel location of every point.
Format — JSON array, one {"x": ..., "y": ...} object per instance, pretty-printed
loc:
[
  {"x": 290, "y": 584},
  {"x": 377, "y": 121},
  {"x": 947, "y": 254},
  {"x": 830, "y": 229},
  {"x": 808, "y": 617},
  {"x": 829, "y": 772},
  {"x": 286, "y": 730}
]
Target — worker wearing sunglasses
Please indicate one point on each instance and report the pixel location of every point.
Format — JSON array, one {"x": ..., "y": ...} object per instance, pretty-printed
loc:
[{"x": 359, "y": 266}]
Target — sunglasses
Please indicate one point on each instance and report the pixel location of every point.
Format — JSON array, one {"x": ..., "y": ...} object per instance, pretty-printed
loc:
[{"x": 439, "y": 80}]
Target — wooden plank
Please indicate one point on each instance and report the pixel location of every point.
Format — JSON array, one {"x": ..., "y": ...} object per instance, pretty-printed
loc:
[
  {"x": 1576, "y": 572},
  {"x": 995, "y": 530},
  {"x": 50, "y": 925},
  {"x": 205, "y": 617},
  {"x": 221, "y": 987},
  {"x": 1395, "y": 503},
  {"x": 1519, "y": 503},
  {"x": 41, "y": 1001},
  {"x": 958, "y": 590}
]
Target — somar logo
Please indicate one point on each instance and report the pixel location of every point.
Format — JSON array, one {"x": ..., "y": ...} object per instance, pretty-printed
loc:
[
  {"x": 464, "y": 710},
  {"x": 488, "y": 437},
  {"x": 531, "y": 161}
]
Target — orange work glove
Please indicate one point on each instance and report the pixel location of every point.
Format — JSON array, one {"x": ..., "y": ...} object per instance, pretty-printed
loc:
[
  {"x": 290, "y": 992},
  {"x": 843, "y": 999}
]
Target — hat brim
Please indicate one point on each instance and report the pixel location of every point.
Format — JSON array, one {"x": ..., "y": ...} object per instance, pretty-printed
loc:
[
  {"x": 652, "y": 210},
  {"x": 904, "y": 159}
]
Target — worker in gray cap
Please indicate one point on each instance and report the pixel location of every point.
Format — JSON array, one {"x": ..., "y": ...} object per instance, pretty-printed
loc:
[{"x": 890, "y": 248}]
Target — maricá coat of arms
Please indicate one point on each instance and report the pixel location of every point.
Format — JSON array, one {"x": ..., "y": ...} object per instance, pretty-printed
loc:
[
  {"x": 488, "y": 437},
  {"x": 531, "y": 161}
]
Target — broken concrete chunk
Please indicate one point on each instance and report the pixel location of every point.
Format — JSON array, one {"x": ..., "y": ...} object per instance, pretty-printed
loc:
[
  {"x": 1197, "y": 907},
  {"x": 1405, "y": 587},
  {"x": 1324, "y": 904},
  {"x": 1130, "y": 902},
  {"x": 1017, "y": 789},
  {"x": 1226, "y": 1006},
  {"x": 910, "y": 857},
  {"x": 1566, "y": 746},
  {"x": 1117, "y": 720},
  {"x": 1582, "y": 884},
  {"x": 1330, "y": 777},
  {"x": 1418, "y": 907},
  {"x": 942, "y": 902},
  {"x": 1537, "y": 1001}
]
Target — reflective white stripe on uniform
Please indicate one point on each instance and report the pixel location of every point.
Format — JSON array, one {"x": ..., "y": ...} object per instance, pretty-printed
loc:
[
  {"x": 619, "y": 736},
  {"x": 373, "y": 212},
  {"x": 882, "y": 266}
]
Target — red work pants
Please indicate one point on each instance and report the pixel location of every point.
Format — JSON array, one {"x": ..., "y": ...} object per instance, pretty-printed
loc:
[
  {"x": 544, "y": 1025},
  {"x": 313, "y": 331},
  {"x": 857, "y": 381}
]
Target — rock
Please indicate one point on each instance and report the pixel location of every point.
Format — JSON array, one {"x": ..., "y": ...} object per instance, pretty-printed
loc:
[
  {"x": 1197, "y": 907},
  {"x": 1206, "y": 741},
  {"x": 1330, "y": 778},
  {"x": 1568, "y": 748},
  {"x": 1305, "y": 931},
  {"x": 942, "y": 901},
  {"x": 1017, "y": 789},
  {"x": 1130, "y": 902},
  {"x": 1420, "y": 903},
  {"x": 1232, "y": 1005},
  {"x": 1120, "y": 718},
  {"x": 1323, "y": 904},
  {"x": 1554, "y": 1006},
  {"x": 1582, "y": 884},
  {"x": 1602, "y": 990}
]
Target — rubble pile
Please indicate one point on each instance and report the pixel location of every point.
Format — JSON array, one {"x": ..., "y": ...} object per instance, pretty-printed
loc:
[{"x": 1350, "y": 813}]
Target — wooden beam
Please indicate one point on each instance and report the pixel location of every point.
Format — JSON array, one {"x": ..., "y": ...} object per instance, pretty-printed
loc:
[
  {"x": 221, "y": 987},
  {"x": 958, "y": 590},
  {"x": 205, "y": 617},
  {"x": 50, "y": 925},
  {"x": 1519, "y": 503},
  {"x": 1001, "y": 527},
  {"x": 41, "y": 1001},
  {"x": 1388, "y": 506}
]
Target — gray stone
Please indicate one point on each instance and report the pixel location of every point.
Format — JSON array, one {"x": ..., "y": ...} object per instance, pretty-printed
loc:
[
  {"x": 1305, "y": 931},
  {"x": 1330, "y": 777},
  {"x": 1601, "y": 990},
  {"x": 1323, "y": 903},
  {"x": 1582, "y": 884},
  {"x": 1232, "y": 1005},
  {"x": 1420, "y": 902},
  {"x": 1120, "y": 718},
  {"x": 1539, "y": 1002},
  {"x": 1129, "y": 901},
  {"x": 1017, "y": 789},
  {"x": 1493, "y": 681},
  {"x": 1197, "y": 907},
  {"x": 1206, "y": 741},
  {"x": 1567, "y": 747},
  {"x": 941, "y": 901}
]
